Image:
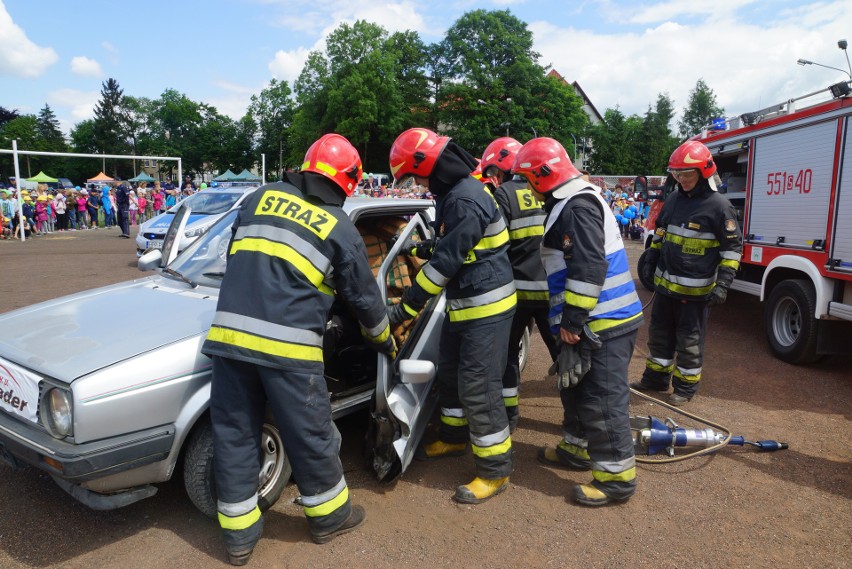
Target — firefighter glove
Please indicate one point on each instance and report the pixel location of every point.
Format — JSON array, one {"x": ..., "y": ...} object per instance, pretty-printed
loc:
[
  {"x": 649, "y": 267},
  {"x": 397, "y": 315},
  {"x": 570, "y": 366},
  {"x": 419, "y": 249},
  {"x": 718, "y": 295}
]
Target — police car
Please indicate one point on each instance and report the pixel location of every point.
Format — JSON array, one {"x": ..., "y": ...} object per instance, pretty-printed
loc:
[{"x": 207, "y": 206}]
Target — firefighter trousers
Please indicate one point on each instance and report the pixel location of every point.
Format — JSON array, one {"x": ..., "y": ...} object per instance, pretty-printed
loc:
[
  {"x": 524, "y": 312},
  {"x": 596, "y": 424},
  {"x": 300, "y": 406},
  {"x": 470, "y": 384},
  {"x": 676, "y": 345}
]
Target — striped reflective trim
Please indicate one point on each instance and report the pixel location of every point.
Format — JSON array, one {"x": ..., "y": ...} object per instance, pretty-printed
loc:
[
  {"x": 530, "y": 221},
  {"x": 265, "y": 345},
  {"x": 409, "y": 310},
  {"x": 288, "y": 254},
  {"x": 426, "y": 284},
  {"x": 322, "y": 166},
  {"x": 531, "y": 285},
  {"x": 606, "y": 323},
  {"x": 691, "y": 233},
  {"x": 731, "y": 255},
  {"x": 267, "y": 329},
  {"x": 657, "y": 245},
  {"x": 510, "y": 397},
  {"x": 683, "y": 285},
  {"x": 329, "y": 507},
  {"x": 233, "y": 509},
  {"x": 729, "y": 263},
  {"x": 379, "y": 329},
  {"x": 570, "y": 439},
  {"x": 685, "y": 281},
  {"x": 585, "y": 302},
  {"x": 323, "y": 497},
  {"x": 510, "y": 392},
  {"x": 688, "y": 375},
  {"x": 434, "y": 275},
  {"x": 482, "y": 299},
  {"x": 452, "y": 411},
  {"x": 294, "y": 240},
  {"x": 626, "y": 476},
  {"x": 655, "y": 366},
  {"x": 454, "y": 421},
  {"x": 614, "y": 466},
  {"x": 518, "y": 234},
  {"x": 381, "y": 336},
  {"x": 664, "y": 362},
  {"x": 493, "y": 242},
  {"x": 527, "y": 295},
  {"x": 486, "y": 309},
  {"x": 614, "y": 304},
  {"x": 691, "y": 241},
  {"x": 239, "y": 522},
  {"x": 491, "y": 445},
  {"x": 615, "y": 281},
  {"x": 582, "y": 287}
]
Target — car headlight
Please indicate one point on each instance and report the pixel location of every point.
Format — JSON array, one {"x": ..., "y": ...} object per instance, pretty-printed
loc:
[
  {"x": 56, "y": 412},
  {"x": 197, "y": 231}
]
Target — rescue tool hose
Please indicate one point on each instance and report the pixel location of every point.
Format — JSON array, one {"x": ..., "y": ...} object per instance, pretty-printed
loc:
[{"x": 696, "y": 454}]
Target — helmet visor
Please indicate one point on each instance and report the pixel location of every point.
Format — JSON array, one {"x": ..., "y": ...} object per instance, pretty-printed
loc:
[{"x": 684, "y": 173}]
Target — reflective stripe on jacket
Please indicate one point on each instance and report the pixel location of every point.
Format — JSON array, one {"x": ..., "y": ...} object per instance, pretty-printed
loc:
[
  {"x": 470, "y": 257},
  {"x": 589, "y": 283},
  {"x": 525, "y": 220},
  {"x": 288, "y": 257}
]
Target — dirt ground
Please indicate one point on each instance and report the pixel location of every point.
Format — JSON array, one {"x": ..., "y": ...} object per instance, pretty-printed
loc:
[{"x": 736, "y": 508}]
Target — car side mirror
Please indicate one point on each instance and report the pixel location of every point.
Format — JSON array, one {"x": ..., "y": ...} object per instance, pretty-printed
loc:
[
  {"x": 150, "y": 259},
  {"x": 416, "y": 371}
]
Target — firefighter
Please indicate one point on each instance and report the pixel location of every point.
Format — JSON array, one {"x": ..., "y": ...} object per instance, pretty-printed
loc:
[
  {"x": 595, "y": 313},
  {"x": 292, "y": 250},
  {"x": 694, "y": 255},
  {"x": 470, "y": 261},
  {"x": 525, "y": 220}
]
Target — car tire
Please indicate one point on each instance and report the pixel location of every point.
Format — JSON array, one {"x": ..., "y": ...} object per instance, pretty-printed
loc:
[
  {"x": 649, "y": 285},
  {"x": 523, "y": 353},
  {"x": 198, "y": 468},
  {"x": 791, "y": 327}
]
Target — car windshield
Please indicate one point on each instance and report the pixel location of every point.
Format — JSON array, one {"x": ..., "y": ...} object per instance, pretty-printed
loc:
[
  {"x": 204, "y": 261},
  {"x": 210, "y": 203}
]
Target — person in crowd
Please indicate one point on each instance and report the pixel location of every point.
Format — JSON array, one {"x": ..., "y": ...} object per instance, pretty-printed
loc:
[
  {"x": 149, "y": 206},
  {"x": 158, "y": 199},
  {"x": 133, "y": 207},
  {"x": 71, "y": 208},
  {"x": 41, "y": 214},
  {"x": 82, "y": 207},
  {"x": 59, "y": 207},
  {"x": 93, "y": 205},
  {"x": 122, "y": 207},
  {"x": 596, "y": 313},
  {"x": 106, "y": 206},
  {"x": 142, "y": 202},
  {"x": 267, "y": 348},
  {"x": 694, "y": 255},
  {"x": 470, "y": 260},
  {"x": 29, "y": 212}
]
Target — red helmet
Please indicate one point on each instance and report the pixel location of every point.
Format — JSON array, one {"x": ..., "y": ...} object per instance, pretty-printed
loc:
[
  {"x": 335, "y": 158},
  {"x": 477, "y": 172},
  {"x": 545, "y": 164},
  {"x": 415, "y": 151},
  {"x": 500, "y": 154},
  {"x": 693, "y": 155}
]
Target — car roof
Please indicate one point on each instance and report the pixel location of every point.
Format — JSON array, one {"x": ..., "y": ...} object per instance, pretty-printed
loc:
[{"x": 355, "y": 206}]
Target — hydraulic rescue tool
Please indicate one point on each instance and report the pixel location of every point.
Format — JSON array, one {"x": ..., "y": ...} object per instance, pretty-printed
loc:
[{"x": 653, "y": 436}]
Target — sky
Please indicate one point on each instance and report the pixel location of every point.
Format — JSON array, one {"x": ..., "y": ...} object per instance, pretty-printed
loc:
[{"x": 221, "y": 52}]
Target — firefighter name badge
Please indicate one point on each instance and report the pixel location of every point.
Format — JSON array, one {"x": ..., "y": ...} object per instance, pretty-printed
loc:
[
  {"x": 730, "y": 225},
  {"x": 694, "y": 225}
]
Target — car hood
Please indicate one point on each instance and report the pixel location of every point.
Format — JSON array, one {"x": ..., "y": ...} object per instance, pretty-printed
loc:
[{"x": 72, "y": 336}]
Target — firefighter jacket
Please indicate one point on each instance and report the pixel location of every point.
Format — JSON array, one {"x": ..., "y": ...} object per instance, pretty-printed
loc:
[
  {"x": 587, "y": 268},
  {"x": 697, "y": 243},
  {"x": 470, "y": 258},
  {"x": 289, "y": 253},
  {"x": 525, "y": 220}
]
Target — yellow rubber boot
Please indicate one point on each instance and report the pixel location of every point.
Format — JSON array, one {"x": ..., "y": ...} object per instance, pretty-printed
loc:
[
  {"x": 440, "y": 449},
  {"x": 588, "y": 495},
  {"x": 480, "y": 490}
]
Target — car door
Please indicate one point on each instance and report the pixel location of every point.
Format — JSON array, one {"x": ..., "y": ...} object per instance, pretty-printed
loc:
[{"x": 404, "y": 397}]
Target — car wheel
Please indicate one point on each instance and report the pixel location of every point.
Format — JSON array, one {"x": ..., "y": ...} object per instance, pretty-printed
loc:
[
  {"x": 198, "y": 478},
  {"x": 791, "y": 327},
  {"x": 523, "y": 354},
  {"x": 649, "y": 285}
]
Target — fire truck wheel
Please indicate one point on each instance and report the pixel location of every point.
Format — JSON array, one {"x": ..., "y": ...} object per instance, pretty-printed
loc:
[
  {"x": 649, "y": 285},
  {"x": 791, "y": 327}
]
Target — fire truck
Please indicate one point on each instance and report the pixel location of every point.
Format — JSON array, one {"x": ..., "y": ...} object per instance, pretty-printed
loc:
[{"x": 788, "y": 173}]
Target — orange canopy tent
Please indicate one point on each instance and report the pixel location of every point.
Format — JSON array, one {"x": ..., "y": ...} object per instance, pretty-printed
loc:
[{"x": 101, "y": 177}]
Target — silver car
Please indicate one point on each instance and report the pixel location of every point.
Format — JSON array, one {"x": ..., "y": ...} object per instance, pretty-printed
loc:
[
  {"x": 108, "y": 416},
  {"x": 207, "y": 207}
]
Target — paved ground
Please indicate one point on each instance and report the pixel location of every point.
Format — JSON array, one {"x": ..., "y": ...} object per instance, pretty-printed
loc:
[{"x": 738, "y": 508}]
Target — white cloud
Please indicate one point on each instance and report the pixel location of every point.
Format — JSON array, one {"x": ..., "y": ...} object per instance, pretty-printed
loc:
[
  {"x": 747, "y": 66},
  {"x": 19, "y": 56},
  {"x": 286, "y": 65},
  {"x": 86, "y": 67},
  {"x": 79, "y": 104}
]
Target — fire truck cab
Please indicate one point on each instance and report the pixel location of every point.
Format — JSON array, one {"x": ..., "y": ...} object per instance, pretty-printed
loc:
[{"x": 788, "y": 174}]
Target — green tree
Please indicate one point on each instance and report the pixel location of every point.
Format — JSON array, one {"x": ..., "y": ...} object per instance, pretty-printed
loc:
[
  {"x": 24, "y": 129},
  {"x": 6, "y": 115},
  {"x": 700, "y": 110},
  {"x": 272, "y": 113},
  {"x": 614, "y": 139},
  {"x": 111, "y": 124},
  {"x": 49, "y": 139},
  {"x": 659, "y": 142}
]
